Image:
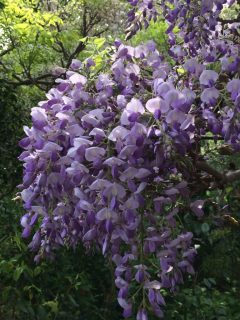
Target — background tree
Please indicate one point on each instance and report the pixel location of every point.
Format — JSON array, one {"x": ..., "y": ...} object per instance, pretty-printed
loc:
[{"x": 39, "y": 39}]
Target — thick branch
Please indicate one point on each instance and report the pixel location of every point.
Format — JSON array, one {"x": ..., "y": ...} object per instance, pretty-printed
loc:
[
  {"x": 204, "y": 166},
  {"x": 62, "y": 50},
  {"x": 78, "y": 49},
  {"x": 232, "y": 176},
  {"x": 28, "y": 82},
  {"x": 31, "y": 81},
  {"x": 223, "y": 178}
]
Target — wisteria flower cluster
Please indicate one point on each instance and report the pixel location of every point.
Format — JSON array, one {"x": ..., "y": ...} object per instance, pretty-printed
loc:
[
  {"x": 106, "y": 161},
  {"x": 195, "y": 28}
]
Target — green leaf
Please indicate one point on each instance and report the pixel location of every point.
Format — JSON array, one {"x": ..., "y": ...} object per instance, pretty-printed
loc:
[
  {"x": 37, "y": 271},
  {"x": 73, "y": 301},
  {"x": 17, "y": 273},
  {"x": 205, "y": 227},
  {"x": 99, "y": 42},
  {"x": 180, "y": 70},
  {"x": 53, "y": 305}
]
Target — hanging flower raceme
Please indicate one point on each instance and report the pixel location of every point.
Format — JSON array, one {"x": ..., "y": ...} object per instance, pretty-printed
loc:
[{"x": 104, "y": 164}]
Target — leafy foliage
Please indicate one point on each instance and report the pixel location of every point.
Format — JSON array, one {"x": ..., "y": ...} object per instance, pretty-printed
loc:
[
  {"x": 39, "y": 39},
  {"x": 204, "y": 301},
  {"x": 155, "y": 32}
]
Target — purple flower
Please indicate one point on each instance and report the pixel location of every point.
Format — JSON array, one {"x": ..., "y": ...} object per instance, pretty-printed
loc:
[
  {"x": 208, "y": 78},
  {"x": 233, "y": 87},
  {"x": 93, "y": 153},
  {"x": 77, "y": 78},
  {"x": 76, "y": 168},
  {"x": 118, "y": 132},
  {"x": 76, "y": 64},
  {"x": 156, "y": 104},
  {"x": 175, "y": 99},
  {"x": 90, "y": 235},
  {"x": 210, "y": 95},
  {"x": 135, "y": 106},
  {"x": 39, "y": 118},
  {"x": 207, "y": 5},
  {"x": 99, "y": 184},
  {"x": 191, "y": 65},
  {"x": 142, "y": 315},
  {"x": 106, "y": 214},
  {"x": 161, "y": 88},
  {"x": 90, "y": 63},
  {"x": 197, "y": 208},
  {"x": 189, "y": 121},
  {"x": 175, "y": 116},
  {"x": 151, "y": 45},
  {"x": 121, "y": 101},
  {"x": 103, "y": 81},
  {"x": 113, "y": 161}
]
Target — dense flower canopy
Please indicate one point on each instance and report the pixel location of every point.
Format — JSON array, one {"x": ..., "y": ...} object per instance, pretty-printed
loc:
[{"x": 111, "y": 160}]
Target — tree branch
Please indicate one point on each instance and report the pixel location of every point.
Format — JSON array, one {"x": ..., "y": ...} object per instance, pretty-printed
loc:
[
  {"x": 31, "y": 81},
  {"x": 61, "y": 45},
  {"x": 6, "y": 51},
  {"x": 223, "y": 178},
  {"x": 74, "y": 54},
  {"x": 99, "y": 33},
  {"x": 204, "y": 166},
  {"x": 232, "y": 176}
]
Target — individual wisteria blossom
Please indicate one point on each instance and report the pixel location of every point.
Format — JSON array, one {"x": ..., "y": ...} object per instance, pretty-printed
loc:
[
  {"x": 208, "y": 78},
  {"x": 210, "y": 96},
  {"x": 105, "y": 159}
]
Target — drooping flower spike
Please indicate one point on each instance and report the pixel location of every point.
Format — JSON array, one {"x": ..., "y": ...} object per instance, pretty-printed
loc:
[{"x": 103, "y": 161}]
